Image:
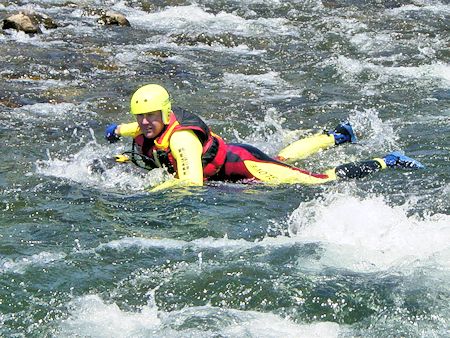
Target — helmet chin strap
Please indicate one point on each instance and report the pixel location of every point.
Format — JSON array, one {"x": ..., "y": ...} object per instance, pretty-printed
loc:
[{"x": 165, "y": 116}]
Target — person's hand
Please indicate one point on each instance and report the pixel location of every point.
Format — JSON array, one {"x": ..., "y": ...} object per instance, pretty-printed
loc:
[{"x": 110, "y": 133}]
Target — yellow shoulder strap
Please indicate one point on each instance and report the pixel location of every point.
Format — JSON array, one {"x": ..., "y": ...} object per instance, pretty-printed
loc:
[{"x": 163, "y": 142}]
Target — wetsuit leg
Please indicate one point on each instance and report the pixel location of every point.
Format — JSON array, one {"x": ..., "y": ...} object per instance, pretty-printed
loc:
[
  {"x": 247, "y": 162},
  {"x": 234, "y": 168},
  {"x": 358, "y": 169},
  {"x": 305, "y": 147},
  {"x": 278, "y": 173}
]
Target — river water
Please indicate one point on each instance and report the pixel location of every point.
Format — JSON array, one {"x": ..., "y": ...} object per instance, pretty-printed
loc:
[{"x": 87, "y": 251}]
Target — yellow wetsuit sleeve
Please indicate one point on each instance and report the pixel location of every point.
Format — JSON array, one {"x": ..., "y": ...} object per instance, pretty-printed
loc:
[
  {"x": 187, "y": 150},
  {"x": 129, "y": 129}
]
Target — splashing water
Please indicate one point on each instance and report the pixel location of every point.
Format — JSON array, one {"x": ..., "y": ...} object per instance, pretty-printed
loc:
[{"x": 369, "y": 235}]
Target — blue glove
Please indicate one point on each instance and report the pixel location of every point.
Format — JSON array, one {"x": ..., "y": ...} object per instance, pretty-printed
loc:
[
  {"x": 343, "y": 133},
  {"x": 110, "y": 133}
]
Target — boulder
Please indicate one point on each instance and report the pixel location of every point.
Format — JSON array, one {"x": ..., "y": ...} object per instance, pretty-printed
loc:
[
  {"x": 29, "y": 22},
  {"x": 22, "y": 22},
  {"x": 113, "y": 18}
]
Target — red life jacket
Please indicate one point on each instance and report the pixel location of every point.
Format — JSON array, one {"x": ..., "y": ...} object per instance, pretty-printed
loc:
[{"x": 214, "y": 148}]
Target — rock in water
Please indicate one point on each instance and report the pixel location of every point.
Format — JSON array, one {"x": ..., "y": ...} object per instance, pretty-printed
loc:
[
  {"x": 28, "y": 22},
  {"x": 44, "y": 20},
  {"x": 113, "y": 18},
  {"x": 22, "y": 22}
]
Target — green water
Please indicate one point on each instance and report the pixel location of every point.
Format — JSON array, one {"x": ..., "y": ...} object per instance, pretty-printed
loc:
[{"x": 86, "y": 253}]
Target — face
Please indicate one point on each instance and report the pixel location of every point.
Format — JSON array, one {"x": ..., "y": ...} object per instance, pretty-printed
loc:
[{"x": 151, "y": 124}]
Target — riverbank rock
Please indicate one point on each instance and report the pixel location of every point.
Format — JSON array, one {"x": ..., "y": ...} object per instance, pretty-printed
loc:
[
  {"x": 28, "y": 22},
  {"x": 113, "y": 18}
]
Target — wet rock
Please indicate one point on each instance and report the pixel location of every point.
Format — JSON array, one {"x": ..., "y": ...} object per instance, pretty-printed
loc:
[
  {"x": 7, "y": 102},
  {"x": 45, "y": 20},
  {"x": 67, "y": 94},
  {"x": 108, "y": 67},
  {"x": 160, "y": 54},
  {"x": 227, "y": 40},
  {"x": 21, "y": 22},
  {"x": 89, "y": 11},
  {"x": 29, "y": 22},
  {"x": 113, "y": 18}
]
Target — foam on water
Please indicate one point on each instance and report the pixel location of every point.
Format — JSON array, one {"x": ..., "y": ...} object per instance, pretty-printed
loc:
[
  {"x": 264, "y": 87},
  {"x": 20, "y": 265},
  {"x": 143, "y": 243},
  {"x": 198, "y": 244},
  {"x": 376, "y": 136},
  {"x": 193, "y": 18},
  {"x": 268, "y": 134},
  {"x": 373, "y": 132},
  {"x": 349, "y": 68},
  {"x": 241, "y": 49},
  {"x": 270, "y": 79},
  {"x": 47, "y": 110},
  {"x": 421, "y": 6},
  {"x": 139, "y": 52},
  {"x": 364, "y": 235},
  {"x": 268, "y": 325},
  {"x": 92, "y": 316},
  {"x": 369, "y": 235},
  {"x": 387, "y": 48},
  {"x": 87, "y": 168},
  {"x": 369, "y": 42},
  {"x": 22, "y": 37}
]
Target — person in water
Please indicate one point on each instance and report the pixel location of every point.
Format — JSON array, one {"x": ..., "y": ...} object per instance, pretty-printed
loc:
[{"x": 186, "y": 146}]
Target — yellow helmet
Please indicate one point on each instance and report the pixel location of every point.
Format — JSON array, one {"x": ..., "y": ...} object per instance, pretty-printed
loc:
[{"x": 150, "y": 98}]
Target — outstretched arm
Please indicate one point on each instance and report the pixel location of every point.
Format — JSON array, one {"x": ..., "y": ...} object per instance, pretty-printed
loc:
[
  {"x": 113, "y": 132},
  {"x": 128, "y": 129}
]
